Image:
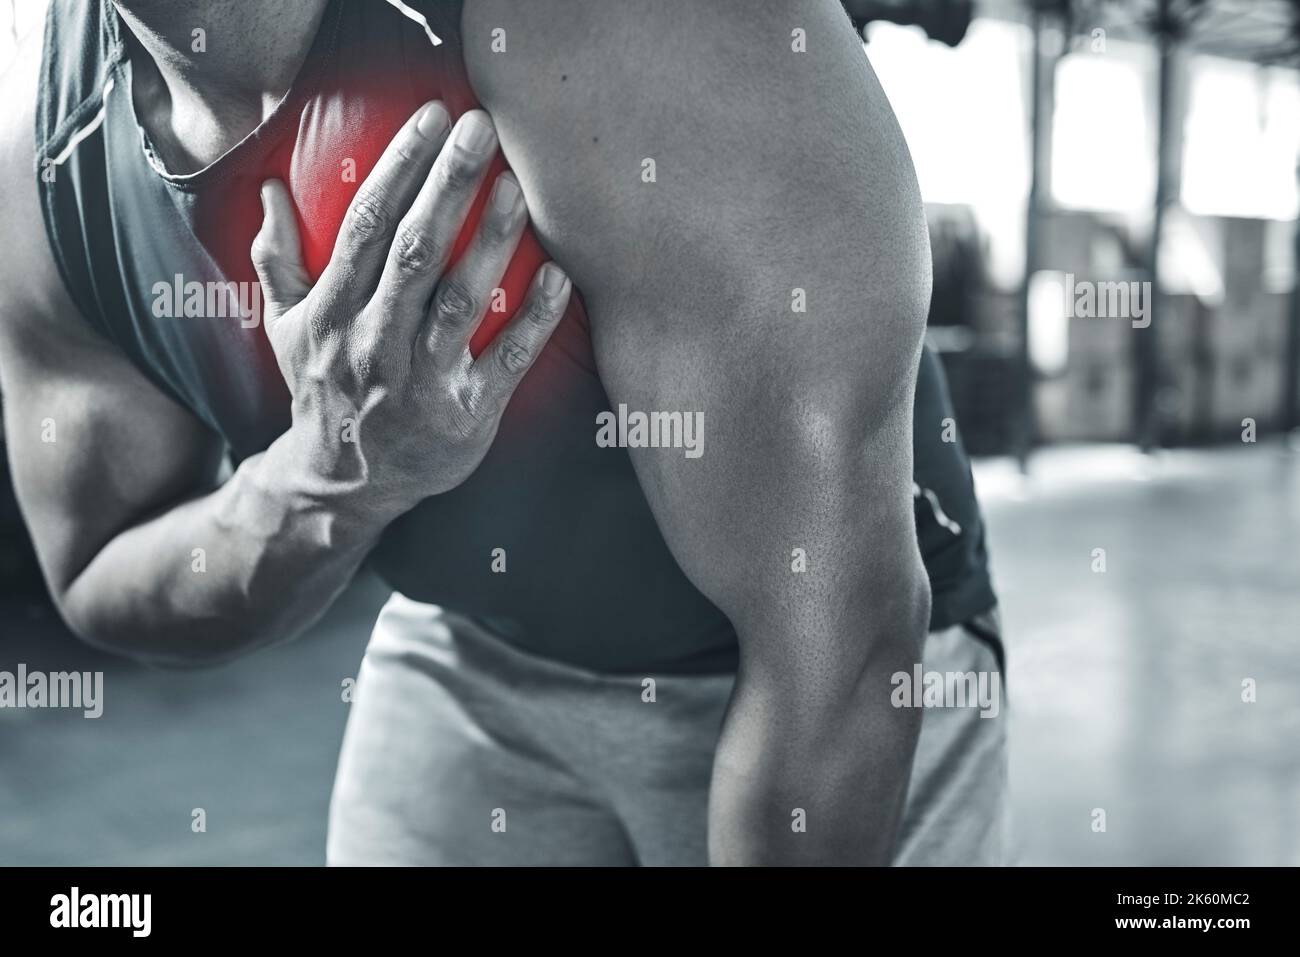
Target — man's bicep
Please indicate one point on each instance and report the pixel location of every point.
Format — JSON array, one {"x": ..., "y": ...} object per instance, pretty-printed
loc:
[{"x": 743, "y": 223}]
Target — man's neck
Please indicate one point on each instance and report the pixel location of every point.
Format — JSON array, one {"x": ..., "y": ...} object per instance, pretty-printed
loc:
[{"x": 199, "y": 93}]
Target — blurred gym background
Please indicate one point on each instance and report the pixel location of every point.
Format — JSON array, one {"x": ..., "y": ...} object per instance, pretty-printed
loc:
[{"x": 1056, "y": 141}]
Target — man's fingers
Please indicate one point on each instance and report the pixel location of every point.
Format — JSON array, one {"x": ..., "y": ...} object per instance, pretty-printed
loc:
[
  {"x": 372, "y": 217},
  {"x": 427, "y": 233},
  {"x": 277, "y": 253},
  {"x": 465, "y": 293},
  {"x": 501, "y": 366}
]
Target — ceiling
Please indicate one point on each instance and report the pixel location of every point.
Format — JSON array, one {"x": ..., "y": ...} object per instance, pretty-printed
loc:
[{"x": 1256, "y": 30}]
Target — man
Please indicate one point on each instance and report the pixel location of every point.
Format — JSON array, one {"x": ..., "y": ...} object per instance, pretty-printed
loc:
[{"x": 679, "y": 649}]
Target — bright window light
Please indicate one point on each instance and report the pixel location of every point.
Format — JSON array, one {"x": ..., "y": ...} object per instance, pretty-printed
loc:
[
  {"x": 1103, "y": 139},
  {"x": 1242, "y": 140},
  {"x": 962, "y": 110},
  {"x": 1049, "y": 331},
  {"x": 963, "y": 113}
]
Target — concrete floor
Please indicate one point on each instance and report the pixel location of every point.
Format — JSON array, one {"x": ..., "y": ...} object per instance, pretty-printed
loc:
[{"x": 1125, "y": 689}]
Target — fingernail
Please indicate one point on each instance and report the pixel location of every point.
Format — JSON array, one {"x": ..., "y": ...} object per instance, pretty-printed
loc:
[
  {"x": 552, "y": 279},
  {"x": 475, "y": 133},
  {"x": 433, "y": 120},
  {"x": 505, "y": 193}
]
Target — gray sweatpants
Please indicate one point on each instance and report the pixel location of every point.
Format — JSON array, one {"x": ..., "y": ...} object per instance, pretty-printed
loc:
[{"x": 463, "y": 750}]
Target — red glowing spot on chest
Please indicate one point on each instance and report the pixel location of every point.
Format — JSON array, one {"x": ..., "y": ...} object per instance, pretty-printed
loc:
[{"x": 340, "y": 139}]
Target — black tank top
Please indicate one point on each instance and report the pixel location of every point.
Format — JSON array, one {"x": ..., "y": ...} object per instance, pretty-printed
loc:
[{"x": 588, "y": 578}]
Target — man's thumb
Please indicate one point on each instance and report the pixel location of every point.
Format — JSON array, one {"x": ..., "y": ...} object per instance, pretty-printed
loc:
[{"x": 277, "y": 253}]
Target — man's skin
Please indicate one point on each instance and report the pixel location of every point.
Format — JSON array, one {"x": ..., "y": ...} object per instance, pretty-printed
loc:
[{"x": 775, "y": 170}]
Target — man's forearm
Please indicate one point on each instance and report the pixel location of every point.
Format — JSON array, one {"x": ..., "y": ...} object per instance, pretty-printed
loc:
[
  {"x": 806, "y": 776},
  {"x": 253, "y": 562}
]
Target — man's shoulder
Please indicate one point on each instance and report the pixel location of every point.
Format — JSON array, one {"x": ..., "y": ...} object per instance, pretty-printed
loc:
[
  {"x": 507, "y": 41},
  {"x": 726, "y": 155}
]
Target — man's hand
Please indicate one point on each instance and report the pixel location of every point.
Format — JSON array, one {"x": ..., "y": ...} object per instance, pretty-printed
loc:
[
  {"x": 122, "y": 504},
  {"x": 387, "y": 400}
]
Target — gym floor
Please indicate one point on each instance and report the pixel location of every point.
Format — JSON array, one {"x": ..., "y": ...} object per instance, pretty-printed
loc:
[{"x": 1125, "y": 689}]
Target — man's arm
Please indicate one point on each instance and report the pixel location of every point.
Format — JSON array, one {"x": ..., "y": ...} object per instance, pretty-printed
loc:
[
  {"x": 117, "y": 483},
  {"x": 701, "y": 180}
]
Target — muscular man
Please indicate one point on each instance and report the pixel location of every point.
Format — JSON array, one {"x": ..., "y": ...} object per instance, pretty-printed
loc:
[{"x": 593, "y": 654}]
